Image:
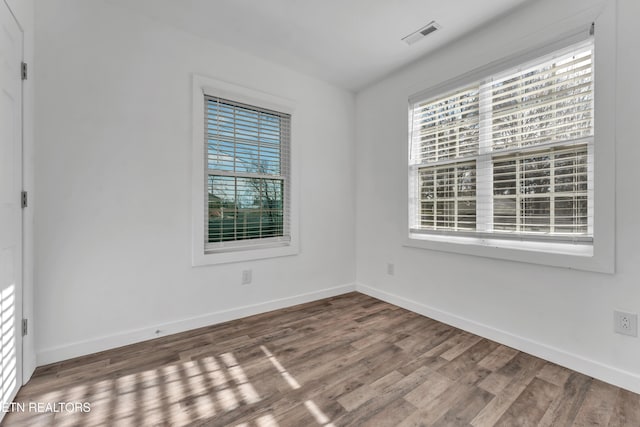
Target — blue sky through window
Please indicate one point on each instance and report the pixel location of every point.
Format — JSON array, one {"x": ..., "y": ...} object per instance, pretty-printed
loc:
[{"x": 242, "y": 140}]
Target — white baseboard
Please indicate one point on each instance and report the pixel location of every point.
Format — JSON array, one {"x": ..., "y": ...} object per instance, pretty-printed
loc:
[
  {"x": 606, "y": 373},
  {"x": 609, "y": 374},
  {"x": 81, "y": 348}
]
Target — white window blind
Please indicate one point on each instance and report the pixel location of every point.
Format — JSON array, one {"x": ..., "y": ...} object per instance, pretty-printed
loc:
[
  {"x": 247, "y": 172},
  {"x": 510, "y": 156}
]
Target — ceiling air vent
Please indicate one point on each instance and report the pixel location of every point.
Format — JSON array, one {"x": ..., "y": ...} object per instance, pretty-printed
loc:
[{"x": 421, "y": 33}]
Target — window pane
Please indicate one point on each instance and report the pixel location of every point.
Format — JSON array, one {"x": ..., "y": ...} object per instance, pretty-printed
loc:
[
  {"x": 271, "y": 203},
  {"x": 505, "y": 177},
  {"x": 244, "y": 208},
  {"x": 535, "y": 214},
  {"x": 220, "y": 155},
  {"x": 535, "y": 175},
  {"x": 448, "y": 197},
  {"x": 466, "y": 180},
  {"x": 427, "y": 215},
  {"x": 222, "y": 209},
  {"x": 571, "y": 214},
  {"x": 467, "y": 215},
  {"x": 447, "y": 127},
  {"x": 445, "y": 179},
  {"x": 542, "y": 192},
  {"x": 550, "y": 102},
  {"x": 243, "y": 139},
  {"x": 427, "y": 184},
  {"x": 505, "y": 213},
  {"x": 571, "y": 171},
  {"x": 446, "y": 214}
]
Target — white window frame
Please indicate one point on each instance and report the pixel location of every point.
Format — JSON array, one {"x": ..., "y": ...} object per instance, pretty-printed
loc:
[
  {"x": 599, "y": 256},
  {"x": 203, "y": 86}
]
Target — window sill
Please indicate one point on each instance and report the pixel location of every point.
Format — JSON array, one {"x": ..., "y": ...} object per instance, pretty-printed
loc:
[
  {"x": 566, "y": 255},
  {"x": 244, "y": 254},
  {"x": 202, "y": 86}
]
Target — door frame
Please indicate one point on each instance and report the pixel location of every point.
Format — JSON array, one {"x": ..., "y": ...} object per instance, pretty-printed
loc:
[
  {"x": 26, "y": 362},
  {"x": 23, "y": 12}
]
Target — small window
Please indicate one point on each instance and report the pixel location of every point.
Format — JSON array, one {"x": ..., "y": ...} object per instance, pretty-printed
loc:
[
  {"x": 247, "y": 172},
  {"x": 509, "y": 156},
  {"x": 243, "y": 191}
]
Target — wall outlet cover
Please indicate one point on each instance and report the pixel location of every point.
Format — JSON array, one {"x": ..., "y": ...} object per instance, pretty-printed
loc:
[
  {"x": 625, "y": 323},
  {"x": 391, "y": 269},
  {"x": 246, "y": 277}
]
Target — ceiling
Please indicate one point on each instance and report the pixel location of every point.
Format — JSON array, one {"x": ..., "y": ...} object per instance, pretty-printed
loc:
[{"x": 350, "y": 43}]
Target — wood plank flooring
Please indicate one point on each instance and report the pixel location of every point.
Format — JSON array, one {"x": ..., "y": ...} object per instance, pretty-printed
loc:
[{"x": 351, "y": 360}]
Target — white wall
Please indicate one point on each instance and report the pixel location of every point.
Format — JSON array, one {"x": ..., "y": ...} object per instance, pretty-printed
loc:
[
  {"x": 561, "y": 314},
  {"x": 23, "y": 10},
  {"x": 112, "y": 173},
  {"x": 113, "y": 225}
]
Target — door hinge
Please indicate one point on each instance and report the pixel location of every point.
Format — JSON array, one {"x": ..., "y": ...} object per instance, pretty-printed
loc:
[
  {"x": 23, "y": 70},
  {"x": 25, "y": 327},
  {"x": 25, "y": 199},
  {"x": 592, "y": 30}
]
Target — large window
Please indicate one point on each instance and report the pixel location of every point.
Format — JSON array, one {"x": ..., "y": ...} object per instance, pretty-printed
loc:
[
  {"x": 247, "y": 174},
  {"x": 509, "y": 156}
]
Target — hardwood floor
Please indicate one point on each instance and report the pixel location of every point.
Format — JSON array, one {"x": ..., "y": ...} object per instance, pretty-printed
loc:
[{"x": 346, "y": 361}]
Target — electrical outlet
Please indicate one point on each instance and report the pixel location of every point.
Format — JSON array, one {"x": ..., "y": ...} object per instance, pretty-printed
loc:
[
  {"x": 625, "y": 323},
  {"x": 391, "y": 269},
  {"x": 246, "y": 277}
]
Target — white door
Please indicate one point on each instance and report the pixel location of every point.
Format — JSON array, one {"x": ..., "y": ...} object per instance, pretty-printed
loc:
[{"x": 10, "y": 205}]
